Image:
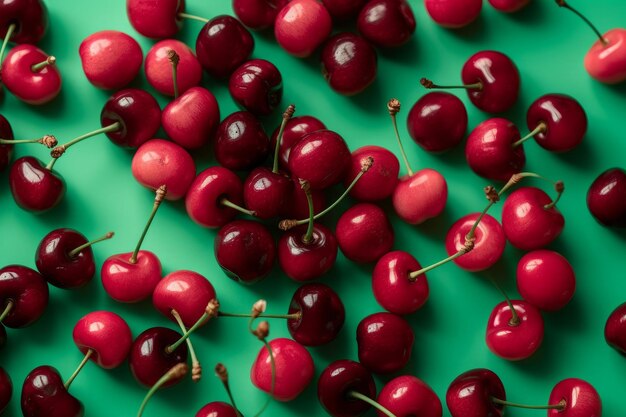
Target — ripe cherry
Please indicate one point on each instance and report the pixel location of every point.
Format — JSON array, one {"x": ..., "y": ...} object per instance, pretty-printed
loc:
[
  {"x": 615, "y": 329},
  {"x": 44, "y": 394},
  {"x": 343, "y": 9},
  {"x": 158, "y": 67},
  {"x": 154, "y": 352},
  {"x": 105, "y": 337},
  {"x": 258, "y": 14},
  {"x": 606, "y": 198},
  {"x": 155, "y": 19},
  {"x": 364, "y": 233},
  {"x": 321, "y": 315},
  {"x": 471, "y": 393},
  {"x": 573, "y": 397},
  {"x": 241, "y": 142},
  {"x": 23, "y": 296},
  {"x": 382, "y": 177},
  {"x": 6, "y": 390},
  {"x": 514, "y": 330},
  {"x": 35, "y": 187},
  {"x": 409, "y": 396},
  {"x": 257, "y": 86},
  {"x": 341, "y": 386},
  {"x": 349, "y": 63},
  {"x": 301, "y": 26},
  {"x": 453, "y": 14},
  {"x": 31, "y": 75},
  {"x": 6, "y": 148},
  {"x": 385, "y": 342},
  {"x": 295, "y": 129},
  {"x": 508, "y": 6},
  {"x": 217, "y": 409},
  {"x": 386, "y": 23},
  {"x": 23, "y": 21}
]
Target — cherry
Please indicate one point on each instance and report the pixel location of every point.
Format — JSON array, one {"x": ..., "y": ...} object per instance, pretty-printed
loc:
[
  {"x": 267, "y": 192},
  {"x": 606, "y": 59},
  {"x": 245, "y": 250},
  {"x": 546, "y": 280},
  {"x": 6, "y": 148},
  {"x": 364, "y": 233},
  {"x": 6, "y": 390},
  {"x": 110, "y": 59},
  {"x": 337, "y": 385},
  {"x": 349, "y": 63},
  {"x": 385, "y": 342},
  {"x": 258, "y": 14},
  {"x": 343, "y": 9},
  {"x": 298, "y": 206},
  {"x": 488, "y": 245},
  {"x": 574, "y": 397},
  {"x": 65, "y": 259},
  {"x": 381, "y": 179},
  {"x": 471, "y": 393},
  {"x": 105, "y": 337},
  {"x": 23, "y": 21},
  {"x": 132, "y": 277},
  {"x": 614, "y": 330},
  {"x": 35, "y": 187},
  {"x": 606, "y": 198},
  {"x": 217, "y": 409},
  {"x": 44, "y": 394},
  {"x": 508, "y": 6},
  {"x": 241, "y": 142},
  {"x": 301, "y": 26},
  {"x": 23, "y": 296},
  {"x": 294, "y": 369},
  {"x": 31, "y": 75},
  {"x": 386, "y": 23},
  {"x": 256, "y": 86},
  {"x": 295, "y": 129},
  {"x": 437, "y": 121},
  {"x": 152, "y": 354},
  {"x": 222, "y": 45},
  {"x": 175, "y": 373},
  {"x": 514, "y": 336},
  {"x": 393, "y": 287},
  {"x": 453, "y": 14},
  {"x": 407, "y": 396},
  {"x": 321, "y": 315},
  {"x": 158, "y": 67},
  {"x": 156, "y": 19}
]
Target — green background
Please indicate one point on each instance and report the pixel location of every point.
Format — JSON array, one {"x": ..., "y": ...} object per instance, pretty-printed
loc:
[{"x": 548, "y": 45}]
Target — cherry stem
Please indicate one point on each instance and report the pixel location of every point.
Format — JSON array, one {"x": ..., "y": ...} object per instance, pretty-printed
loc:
[
  {"x": 58, "y": 151},
  {"x": 222, "y": 374},
  {"x": 171, "y": 348},
  {"x": 160, "y": 194},
  {"x": 192, "y": 17},
  {"x": 177, "y": 371},
  {"x": 48, "y": 141},
  {"x": 515, "y": 321},
  {"x": 562, "y": 3},
  {"x": 365, "y": 398},
  {"x": 76, "y": 251},
  {"x": 308, "y": 236},
  {"x": 6, "y": 39},
  {"x": 196, "y": 368},
  {"x": 7, "y": 310},
  {"x": 560, "y": 406},
  {"x": 541, "y": 128},
  {"x": 174, "y": 59},
  {"x": 77, "y": 371},
  {"x": 226, "y": 202},
  {"x": 279, "y": 138},
  {"x": 51, "y": 60},
  {"x": 393, "y": 106},
  {"x": 293, "y": 316},
  {"x": 429, "y": 85}
]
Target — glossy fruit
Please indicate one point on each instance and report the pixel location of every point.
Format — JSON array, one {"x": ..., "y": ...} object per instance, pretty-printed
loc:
[
  {"x": 30, "y": 86},
  {"x": 488, "y": 245},
  {"x": 615, "y": 329},
  {"x": 381, "y": 178},
  {"x": 28, "y": 291},
  {"x": 581, "y": 399},
  {"x": 349, "y": 63},
  {"x": 607, "y": 63},
  {"x": 336, "y": 382},
  {"x": 343, "y": 9},
  {"x": 453, "y": 13},
  {"x": 469, "y": 395},
  {"x": 409, "y": 396},
  {"x": 295, "y": 129},
  {"x": 129, "y": 282},
  {"x": 514, "y": 340},
  {"x": 304, "y": 261},
  {"x": 565, "y": 120},
  {"x": 364, "y": 233},
  {"x": 155, "y": 19},
  {"x": 267, "y": 193},
  {"x": 420, "y": 196},
  {"x": 508, "y": 6},
  {"x": 6, "y": 390},
  {"x": 6, "y": 151},
  {"x": 386, "y": 23},
  {"x": 158, "y": 67},
  {"x": 241, "y": 142},
  {"x": 258, "y": 14},
  {"x": 30, "y": 17},
  {"x": 256, "y": 86},
  {"x": 148, "y": 359},
  {"x": 385, "y": 342},
  {"x": 606, "y": 198},
  {"x": 34, "y": 187},
  {"x": 107, "y": 335},
  {"x": 217, "y": 409},
  {"x": 301, "y": 26},
  {"x": 43, "y": 394}
]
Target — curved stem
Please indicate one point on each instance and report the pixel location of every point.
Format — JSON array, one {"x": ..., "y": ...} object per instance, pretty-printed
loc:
[
  {"x": 541, "y": 128},
  {"x": 196, "y": 368},
  {"x": 308, "y": 236},
  {"x": 58, "y": 151},
  {"x": 171, "y": 348},
  {"x": 48, "y": 141},
  {"x": 174, "y": 59},
  {"x": 158, "y": 199},
  {"x": 413, "y": 275},
  {"x": 559, "y": 188},
  {"x": 7, "y": 310},
  {"x": 429, "y": 84},
  {"x": 393, "y": 106},
  {"x": 562, "y": 3},
  {"x": 293, "y": 316},
  {"x": 192, "y": 17},
  {"x": 5, "y": 41},
  {"x": 560, "y": 406},
  {"x": 515, "y": 321},
  {"x": 77, "y": 371},
  {"x": 222, "y": 374},
  {"x": 226, "y": 202},
  {"x": 279, "y": 138},
  {"x": 77, "y": 250},
  {"x": 177, "y": 371},
  {"x": 51, "y": 60},
  {"x": 359, "y": 396},
  {"x": 273, "y": 383}
]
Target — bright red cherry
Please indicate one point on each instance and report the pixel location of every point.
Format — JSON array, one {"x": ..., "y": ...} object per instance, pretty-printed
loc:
[
  {"x": 489, "y": 242},
  {"x": 295, "y": 129},
  {"x": 31, "y": 75},
  {"x": 337, "y": 385},
  {"x": 301, "y": 26},
  {"x": 364, "y": 233},
  {"x": 43, "y": 395},
  {"x": 257, "y": 86},
  {"x": 186, "y": 292},
  {"x": 514, "y": 336},
  {"x": 155, "y": 19},
  {"x": 343, "y": 9},
  {"x": 28, "y": 19},
  {"x": 258, "y": 14},
  {"x": 321, "y": 315},
  {"x": 150, "y": 355},
  {"x": 615, "y": 329},
  {"x": 34, "y": 186},
  {"x": 508, "y": 6},
  {"x": 408, "y": 396},
  {"x": 6, "y": 390},
  {"x": 349, "y": 63},
  {"x": 564, "y": 122},
  {"x": 453, "y": 13},
  {"x": 6, "y": 150},
  {"x": 158, "y": 67},
  {"x": 386, "y": 23},
  {"x": 420, "y": 196},
  {"x": 471, "y": 393},
  {"x": 606, "y": 198},
  {"x": 241, "y": 142},
  {"x": 106, "y": 335},
  {"x": 381, "y": 178},
  {"x": 23, "y": 296},
  {"x": 217, "y": 409},
  {"x": 294, "y": 369},
  {"x": 580, "y": 399},
  {"x": 110, "y": 59},
  {"x": 385, "y": 342}
]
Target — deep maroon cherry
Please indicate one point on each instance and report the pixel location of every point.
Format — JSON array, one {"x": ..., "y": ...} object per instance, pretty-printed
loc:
[
  {"x": 105, "y": 337},
  {"x": 321, "y": 315},
  {"x": 338, "y": 383},
  {"x": 349, "y": 63},
  {"x": 470, "y": 394},
  {"x": 364, "y": 233},
  {"x": 295, "y": 129},
  {"x": 453, "y": 13},
  {"x": 6, "y": 150},
  {"x": 35, "y": 187},
  {"x": 386, "y": 23},
  {"x": 241, "y": 142},
  {"x": 304, "y": 259},
  {"x": 31, "y": 74},
  {"x": 385, "y": 342},
  {"x": 606, "y": 198},
  {"x": 150, "y": 358},
  {"x": 298, "y": 206},
  {"x": 217, "y": 409},
  {"x": 382, "y": 177},
  {"x": 155, "y": 19},
  {"x": 615, "y": 329},
  {"x": 6, "y": 390},
  {"x": 223, "y": 44},
  {"x": 43, "y": 395},
  {"x": 267, "y": 193},
  {"x": 23, "y": 296},
  {"x": 258, "y": 14},
  {"x": 409, "y": 396},
  {"x": 343, "y": 9},
  {"x": 29, "y": 17},
  {"x": 3, "y": 336},
  {"x": 257, "y": 86},
  {"x": 301, "y": 26}
]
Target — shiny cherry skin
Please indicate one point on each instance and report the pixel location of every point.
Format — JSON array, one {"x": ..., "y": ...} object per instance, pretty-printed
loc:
[
  {"x": 6, "y": 151},
  {"x": 160, "y": 162},
  {"x": 349, "y": 63},
  {"x": 565, "y": 119},
  {"x": 488, "y": 246},
  {"x": 301, "y": 26},
  {"x": 245, "y": 250},
  {"x": 128, "y": 282},
  {"x": 29, "y": 292},
  {"x": 187, "y": 292},
  {"x": 343, "y": 9},
  {"x": 453, "y": 13},
  {"x": 303, "y": 261},
  {"x": 34, "y": 187},
  {"x": 499, "y": 77},
  {"x": 615, "y": 329},
  {"x": 294, "y": 369},
  {"x": 339, "y": 379},
  {"x": 407, "y": 396},
  {"x": 527, "y": 224},
  {"x": 607, "y": 63},
  {"x": 137, "y": 111},
  {"x": 581, "y": 399},
  {"x": 364, "y": 233},
  {"x": 386, "y": 23},
  {"x": 489, "y": 150},
  {"x": 322, "y": 158},
  {"x": 469, "y": 395},
  {"x": 258, "y": 14},
  {"x": 217, "y": 409},
  {"x": 241, "y": 142},
  {"x": 295, "y": 129},
  {"x": 381, "y": 178},
  {"x": 205, "y": 193},
  {"x": 31, "y": 17},
  {"x": 298, "y": 206},
  {"x": 6, "y": 389},
  {"x": 606, "y": 198},
  {"x": 514, "y": 341},
  {"x": 420, "y": 196},
  {"x": 155, "y": 19},
  {"x": 32, "y": 87},
  {"x": 437, "y": 121},
  {"x": 393, "y": 289},
  {"x": 266, "y": 192},
  {"x": 256, "y": 86},
  {"x": 43, "y": 394},
  {"x": 385, "y": 342},
  {"x": 111, "y": 59},
  {"x": 546, "y": 279},
  {"x": 191, "y": 120},
  {"x": 508, "y": 6},
  {"x": 107, "y": 335},
  {"x": 158, "y": 67},
  {"x": 222, "y": 45},
  {"x": 322, "y": 315},
  {"x": 148, "y": 359},
  {"x": 54, "y": 262}
]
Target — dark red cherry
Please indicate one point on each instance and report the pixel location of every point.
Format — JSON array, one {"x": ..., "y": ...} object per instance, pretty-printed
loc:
[
  {"x": 564, "y": 118},
  {"x": 29, "y": 16},
  {"x": 349, "y": 63},
  {"x": 257, "y": 86},
  {"x": 222, "y": 45},
  {"x": 615, "y": 329},
  {"x": 322, "y": 315},
  {"x": 508, "y": 6},
  {"x": 470, "y": 394},
  {"x": 258, "y": 14},
  {"x": 3, "y": 341},
  {"x": 267, "y": 193},
  {"x": 302, "y": 260},
  {"x": 155, "y": 19},
  {"x": 23, "y": 296},
  {"x": 149, "y": 359},
  {"x": 606, "y": 198},
  {"x": 34, "y": 187},
  {"x": 241, "y": 142},
  {"x": 337, "y": 381},
  {"x": 343, "y": 9},
  {"x": 409, "y": 396},
  {"x": 6, "y": 151},
  {"x": 43, "y": 395},
  {"x": 386, "y": 23},
  {"x": 217, "y": 409},
  {"x": 6, "y": 390},
  {"x": 295, "y": 129},
  {"x": 385, "y": 342},
  {"x": 364, "y": 233},
  {"x": 298, "y": 206},
  {"x": 382, "y": 177}
]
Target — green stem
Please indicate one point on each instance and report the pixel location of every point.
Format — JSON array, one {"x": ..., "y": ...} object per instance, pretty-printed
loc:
[
  {"x": 7, "y": 310},
  {"x": 279, "y": 138},
  {"x": 19, "y": 141},
  {"x": 293, "y": 316},
  {"x": 58, "y": 151},
  {"x": 429, "y": 84},
  {"x": 413, "y": 275},
  {"x": 222, "y": 373},
  {"x": 51, "y": 60},
  {"x": 192, "y": 17},
  {"x": 308, "y": 236},
  {"x": 515, "y": 321},
  {"x": 171, "y": 348},
  {"x": 196, "y": 368},
  {"x": 77, "y": 250},
  {"x": 158, "y": 199},
  {"x": 273, "y": 384},
  {"x": 226, "y": 202},
  {"x": 6, "y": 39},
  {"x": 541, "y": 127},
  {"x": 560, "y": 406},
  {"x": 394, "y": 107},
  {"x": 562, "y": 3},
  {"x": 359, "y": 396},
  {"x": 177, "y": 371},
  {"x": 77, "y": 371}
]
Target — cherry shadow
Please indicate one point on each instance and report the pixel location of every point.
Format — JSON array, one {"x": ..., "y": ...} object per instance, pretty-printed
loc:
[
  {"x": 533, "y": 12},
  {"x": 474, "y": 33}
]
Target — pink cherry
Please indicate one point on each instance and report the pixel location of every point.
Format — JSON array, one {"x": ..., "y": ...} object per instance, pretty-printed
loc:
[
  {"x": 301, "y": 26},
  {"x": 607, "y": 63},
  {"x": 158, "y": 67},
  {"x": 488, "y": 246},
  {"x": 364, "y": 233},
  {"x": 514, "y": 340},
  {"x": 420, "y": 196},
  {"x": 107, "y": 335},
  {"x": 381, "y": 178}
]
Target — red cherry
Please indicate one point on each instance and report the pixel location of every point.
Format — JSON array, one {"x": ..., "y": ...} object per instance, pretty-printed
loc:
[
  {"x": 337, "y": 383},
  {"x": 186, "y": 292},
  {"x": 514, "y": 338},
  {"x": 155, "y": 19},
  {"x": 304, "y": 260},
  {"x": 564, "y": 119},
  {"x": 349, "y": 63},
  {"x": 343, "y": 9},
  {"x": 508, "y": 6},
  {"x": 149, "y": 358},
  {"x": 267, "y": 193},
  {"x": 420, "y": 196},
  {"x": 295, "y": 129},
  {"x": 258, "y": 14},
  {"x": 158, "y": 67},
  {"x": 499, "y": 79},
  {"x": 35, "y": 187},
  {"x": 453, "y": 13},
  {"x": 241, "y": 142},
  {"x": 6, "y": 150},
  {"x": 105, "y": 334},
  {"x": 257, "y": 86},
  {"x": 298, "y": 206},
  {"x": 488, "y": 245},
  {"x": 6, "y": 390},
  {"x": 23, "y": 296},
  {"x": 615, "y": 329},
  {"x": 471, "y": 393},
  {"x": 409, "y": 396},
  {"x": 43, "y": 395},
  {"x": 580, "y": 397},
  {"x": 301, "y": 26},
  {"x": 29, "y": 17},
  {"x": 110, "y": 59},
  {"x": 294, "y": 369},
  {"x": 382, "y": 177},
  {"x": 30, "y": 74},
  {"x": 606, "y": 198},
  {"x": 386, "y": 23},
  {"x": 217, "y": 409},
  {"x": 385, "y": 342},
  {"x": 364, "y": 233}
]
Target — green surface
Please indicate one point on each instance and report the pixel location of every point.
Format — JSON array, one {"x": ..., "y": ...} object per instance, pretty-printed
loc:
[{"x": 547, "y": 44}]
